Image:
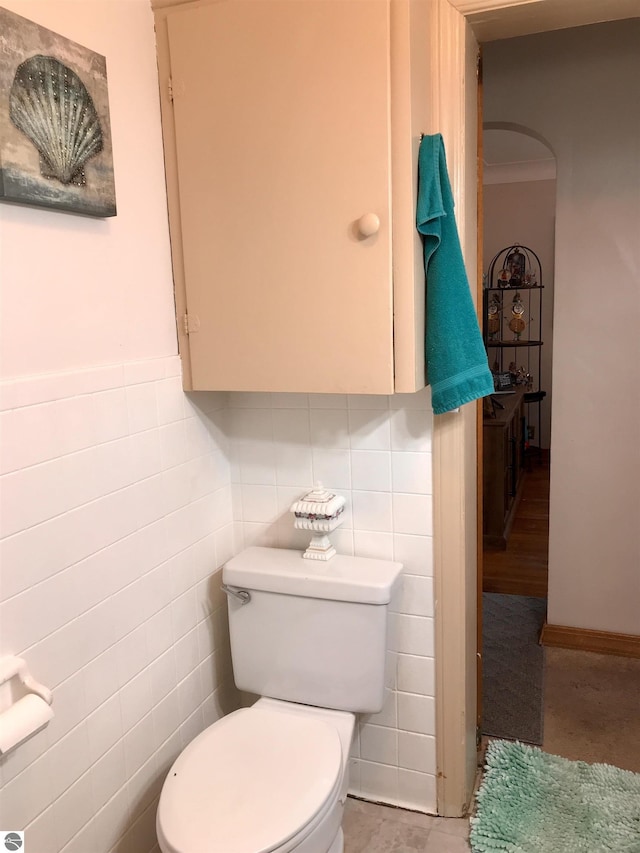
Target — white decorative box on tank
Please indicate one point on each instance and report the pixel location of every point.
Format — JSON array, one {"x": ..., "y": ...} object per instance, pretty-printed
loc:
[{"x": 321, "y": 512}]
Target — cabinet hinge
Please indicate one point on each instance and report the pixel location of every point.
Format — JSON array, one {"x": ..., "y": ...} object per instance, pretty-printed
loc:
[
  {"x": 170, "y": 89},
  {"x": 190, "y": 323}
]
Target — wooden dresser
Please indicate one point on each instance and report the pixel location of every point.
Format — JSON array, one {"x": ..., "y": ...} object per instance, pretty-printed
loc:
[{"x": 503, "y": 457}]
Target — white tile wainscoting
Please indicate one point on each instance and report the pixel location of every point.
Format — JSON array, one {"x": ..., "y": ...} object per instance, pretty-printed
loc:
[
  {"x": 121, "y": 497},
  {"x": 375, "y": 450},
  {"x": 115, "y": 513}
]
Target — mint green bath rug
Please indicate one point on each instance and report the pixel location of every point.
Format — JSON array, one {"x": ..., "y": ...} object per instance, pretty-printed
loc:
[{"x": 531, "y": 802}]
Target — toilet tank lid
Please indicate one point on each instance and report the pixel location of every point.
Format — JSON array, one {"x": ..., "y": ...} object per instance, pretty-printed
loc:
[{"x": 357, "y": 579}]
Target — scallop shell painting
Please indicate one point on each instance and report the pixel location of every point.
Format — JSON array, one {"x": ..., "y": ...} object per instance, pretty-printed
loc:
[
  {"x": 50, "y": 104},
  {"x": 55, "y": 136}
]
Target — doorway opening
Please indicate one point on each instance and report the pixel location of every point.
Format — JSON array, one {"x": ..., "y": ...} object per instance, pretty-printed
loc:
[
  {"x": 578, "y": 595},
  {"x": 518, "y": 215},
  {"x": 519, "y": 200},
  {"x": 580, "y": 549}
]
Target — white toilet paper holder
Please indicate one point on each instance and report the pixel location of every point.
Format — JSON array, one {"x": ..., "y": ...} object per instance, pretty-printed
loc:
[
  {"x": 25, "y": 714},
  {"x": 12, "y": 666}
]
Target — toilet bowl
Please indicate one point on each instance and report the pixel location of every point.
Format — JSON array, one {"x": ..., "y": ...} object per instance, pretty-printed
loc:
[
  {"x": 310, "y": 638},
  {"x": 267, "y": 779}
]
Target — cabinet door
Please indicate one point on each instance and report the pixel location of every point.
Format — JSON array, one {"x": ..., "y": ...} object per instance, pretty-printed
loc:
[{"x": 281, "y": 113}]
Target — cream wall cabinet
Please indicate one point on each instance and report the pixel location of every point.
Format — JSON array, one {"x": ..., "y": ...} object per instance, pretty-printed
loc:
[{"x": 291, "y": 135}]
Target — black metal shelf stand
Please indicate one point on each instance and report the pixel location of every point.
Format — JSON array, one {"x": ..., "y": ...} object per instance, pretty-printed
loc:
[{"x": 512, "y": 313}]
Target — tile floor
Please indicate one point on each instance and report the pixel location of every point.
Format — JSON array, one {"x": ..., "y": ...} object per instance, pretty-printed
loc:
[{"x": 370, "y": 828}]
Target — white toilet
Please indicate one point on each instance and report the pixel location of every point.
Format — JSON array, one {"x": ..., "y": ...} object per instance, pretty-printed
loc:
[{"x": 309, "y": 637}]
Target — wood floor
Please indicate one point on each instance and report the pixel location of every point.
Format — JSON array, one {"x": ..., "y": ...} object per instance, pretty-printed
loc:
[{"x": 522, "y": 569}]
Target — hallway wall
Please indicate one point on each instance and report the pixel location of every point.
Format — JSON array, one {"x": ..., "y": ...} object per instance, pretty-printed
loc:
[{"x": 577, "y": 89}]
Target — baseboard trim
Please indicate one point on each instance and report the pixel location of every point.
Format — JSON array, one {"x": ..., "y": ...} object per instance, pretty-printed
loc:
[{"x": 603, "y": 642}]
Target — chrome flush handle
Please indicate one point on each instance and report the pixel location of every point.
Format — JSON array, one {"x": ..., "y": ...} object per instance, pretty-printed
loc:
[{"x": 243, "y": 595}]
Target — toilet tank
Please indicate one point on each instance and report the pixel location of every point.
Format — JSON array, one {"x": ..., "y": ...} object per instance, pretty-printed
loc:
[{"x": 313, "y": 632}]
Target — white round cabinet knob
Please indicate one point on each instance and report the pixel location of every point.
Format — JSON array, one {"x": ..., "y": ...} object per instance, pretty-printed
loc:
[{"x": 368, "y": 225}]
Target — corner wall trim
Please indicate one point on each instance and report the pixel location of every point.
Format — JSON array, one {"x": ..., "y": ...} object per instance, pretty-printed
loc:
[{"x": 603, "y": 642}]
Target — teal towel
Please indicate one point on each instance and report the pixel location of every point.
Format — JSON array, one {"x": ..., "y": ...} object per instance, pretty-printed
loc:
[{"x": 457, "y": 366}]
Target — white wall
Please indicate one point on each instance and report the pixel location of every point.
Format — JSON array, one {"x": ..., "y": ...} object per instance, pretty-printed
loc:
[
  {"x": 577, "y": 88},
  {"x": 525, "y": 211},
  {"x": 115, "y": 492},
  {"x": 78, "y": 290}
]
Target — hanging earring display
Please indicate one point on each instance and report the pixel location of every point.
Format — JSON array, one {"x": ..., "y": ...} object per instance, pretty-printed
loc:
[
  {"x": 493, "y": 316},
  {"x": 517, "y": 323}
]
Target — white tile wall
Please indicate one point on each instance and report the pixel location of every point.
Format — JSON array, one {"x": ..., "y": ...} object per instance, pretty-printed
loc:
[
  {"x": 120, "y": 496},
  {"x": 115, "y": 512},
  {"x": 377, "y": 452}
]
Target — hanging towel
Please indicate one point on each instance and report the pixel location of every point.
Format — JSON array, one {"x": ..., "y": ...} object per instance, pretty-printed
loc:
[{"x": 457, "y": 367}]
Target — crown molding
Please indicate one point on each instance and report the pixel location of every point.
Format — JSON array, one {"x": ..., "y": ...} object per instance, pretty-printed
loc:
[
  {"x": 167, "y": 4},
  {"x": 514, "y": 173},
  {"x": 472, "y": 7}
]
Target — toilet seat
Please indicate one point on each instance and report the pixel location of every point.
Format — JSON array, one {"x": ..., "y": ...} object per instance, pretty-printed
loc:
[{"x": 244, "y": 784}]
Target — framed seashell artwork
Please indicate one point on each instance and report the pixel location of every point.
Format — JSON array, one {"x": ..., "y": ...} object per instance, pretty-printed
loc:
[{"x": 55, "y": 133}]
